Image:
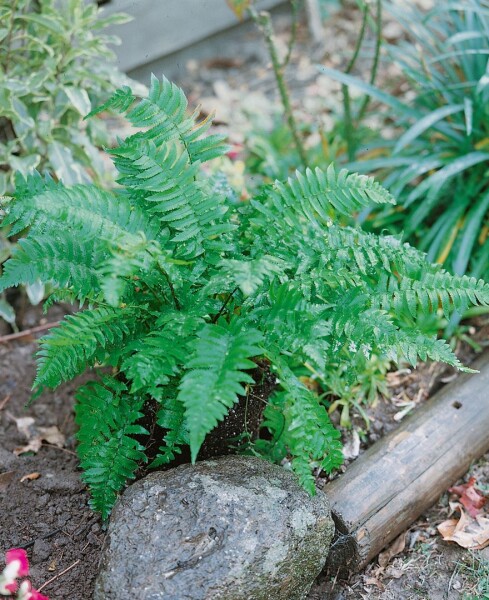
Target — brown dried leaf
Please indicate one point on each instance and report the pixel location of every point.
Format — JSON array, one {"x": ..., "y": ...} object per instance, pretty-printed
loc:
[
  {"x": 374, "y": 581},
  {"x": 470, "y": 497},
  {"x": 468, "y": 532},
  {"x": 33, "y": 446},
  {"x": 30, "y": 477},
  {"x": 5, "y": 480},
  {"x": 25, "y": 425},
  {"x": 394, "y": 549},
  {"x": 52, "y": 435}
]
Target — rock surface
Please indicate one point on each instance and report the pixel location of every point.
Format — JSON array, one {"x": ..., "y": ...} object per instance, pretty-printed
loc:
[{"x": 234, "y": 528}]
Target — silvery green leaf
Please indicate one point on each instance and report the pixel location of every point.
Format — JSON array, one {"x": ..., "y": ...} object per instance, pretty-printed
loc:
[
  {"x": 35, "y": 291},
  {"x": 6, "y": 311},
  {"x": 23, "y": 123},
  {"x": 24, "y": 164},
  {"x": 79, "y": 99},
  {"x": 65, "y": 166}
]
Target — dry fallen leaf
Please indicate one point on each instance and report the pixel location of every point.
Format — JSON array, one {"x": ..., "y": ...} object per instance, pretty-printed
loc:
[
  {"x": 25, "y": 425},
  {"x": 351, "y": 447},
  {"x": 5, "y": 479},
  {"x": 374, "y": 581},
  {"x": 33, "y": 446},
  {"x": 468, "y": 532},
  {"x": 30, "y": 477},
  {"x": 470, "y": 497},
  {"x": 35, "y": 436},
  {"x": 52, "y": 435},
  {"x": 394, "y": 549}
]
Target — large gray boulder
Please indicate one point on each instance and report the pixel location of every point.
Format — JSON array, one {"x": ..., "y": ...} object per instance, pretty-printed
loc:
[{"x": 234, "y": 528}]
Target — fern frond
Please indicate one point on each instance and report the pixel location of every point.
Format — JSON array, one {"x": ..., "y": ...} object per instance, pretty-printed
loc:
[
  {"x": 81, "y": 340},
  {"x": 319, "y": 195},
  {"x": 217, "y": 366},
  {"x": 433, "y": 289},
  {"x": 171, "y": 417},
  {"x": 63, "y": 260},
  {"x": 33, "y": 183},
  {"x": 128, "y": 263},
  {"x": 411, "y": 345},
  {"x": 172, "y": 193},
  {"x": 120, "y": 101},
  {"x": 308, "y": 434},
  {"x": 163, "y": 115},
  {"x": 153, "y": 361},
  {"x": 107, "y": 417},
  {"x": 249, "y": 275},
  {"x": 86, "y": 209}
]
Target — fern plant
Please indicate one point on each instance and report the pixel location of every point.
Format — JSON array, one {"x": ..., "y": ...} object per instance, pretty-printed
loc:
[{"x": 185, "y": 292}]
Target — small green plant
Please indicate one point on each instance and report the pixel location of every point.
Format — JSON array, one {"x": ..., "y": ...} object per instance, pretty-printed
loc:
[
  {"x": 437, "y": 166},
  {"x": 476, "y": 572},
  {"x": 186, "y": 292},
  {"x": 54, "y": 64}
]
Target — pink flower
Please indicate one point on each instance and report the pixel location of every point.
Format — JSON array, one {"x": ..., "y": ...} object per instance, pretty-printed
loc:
[
  {"x": 18, "y": 566},
  {"x": 235, "y": 151},
  {"x": 18, "y": 556},
  {"x": 27, "y": 592}
]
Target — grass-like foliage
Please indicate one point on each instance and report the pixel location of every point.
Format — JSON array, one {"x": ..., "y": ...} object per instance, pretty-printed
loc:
[
  {"x": 186, "y": 291},
  {"x": 437, "y": 165}
]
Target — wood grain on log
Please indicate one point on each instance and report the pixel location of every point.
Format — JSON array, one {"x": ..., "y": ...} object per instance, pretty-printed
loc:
[{"x": 402, "y": 475}]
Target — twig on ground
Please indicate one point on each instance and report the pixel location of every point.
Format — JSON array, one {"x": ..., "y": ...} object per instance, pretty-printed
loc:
[
  {"x": 26, "y": 332},
  {"x": 58, "y": 448},
  {"x": 4, "y": 402},
  {"x": 42, "y": 537},
  {"x": 58, "y": 575}
]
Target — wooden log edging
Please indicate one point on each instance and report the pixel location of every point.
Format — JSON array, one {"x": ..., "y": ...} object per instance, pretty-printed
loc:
[{"x": 403, "y": 474}]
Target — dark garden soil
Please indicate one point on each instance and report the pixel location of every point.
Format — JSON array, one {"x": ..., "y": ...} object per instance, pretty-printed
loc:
[{"x": 43, "y": 502}]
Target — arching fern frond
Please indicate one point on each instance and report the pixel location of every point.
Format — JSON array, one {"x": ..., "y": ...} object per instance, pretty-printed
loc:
[
  {"x": 306, "y": 431},
  {"x": 216, "y": 374},
  {"x": 90, "y": 211},
  {"x": 173, "y": 194},
  {"x": 171, "y": 417},
  {"x": 81, "y": 340},
  {"x": 163, "y": 115},
  {"x": 120, "y": 101},
  {"x": 107, "y": 418},
  {"x": 319, "y": 196},
  {"x": 153, "y": 361},
  {"x": 66, "y": 261},
  {"x": 430, "y": 291}
]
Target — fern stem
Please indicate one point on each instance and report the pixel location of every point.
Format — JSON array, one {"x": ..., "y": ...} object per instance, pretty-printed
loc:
[
  {"x": 264, "y": 23},
  {"x": 215, "y": 319},
  {"x": 178, "y": 306}
]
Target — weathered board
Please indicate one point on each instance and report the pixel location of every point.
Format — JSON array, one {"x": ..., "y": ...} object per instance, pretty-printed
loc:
[
  {"x": 162, "y": 27},
  {"x": 403, "y": 474}
]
